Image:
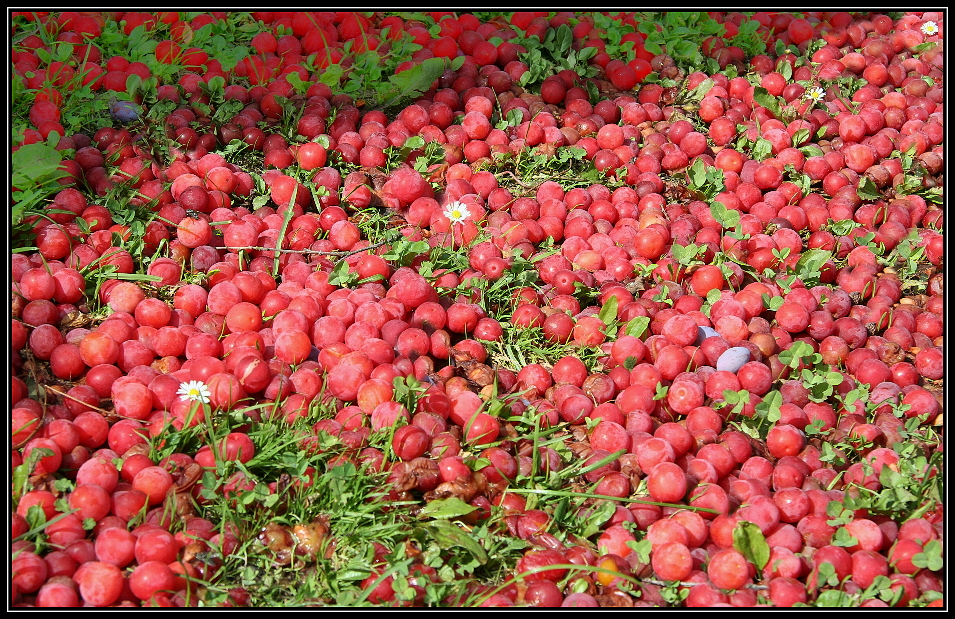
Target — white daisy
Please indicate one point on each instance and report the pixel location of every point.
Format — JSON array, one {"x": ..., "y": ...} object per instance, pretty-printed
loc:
[
  {"x": 929, "y": 28},
  {"x": 195, "y": 391},
  {"x": 457, "y": 212},
  {"x": 815, "y": 94}
]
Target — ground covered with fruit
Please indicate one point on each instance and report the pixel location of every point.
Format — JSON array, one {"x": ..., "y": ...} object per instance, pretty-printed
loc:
[{"x": 477, "y": 309}]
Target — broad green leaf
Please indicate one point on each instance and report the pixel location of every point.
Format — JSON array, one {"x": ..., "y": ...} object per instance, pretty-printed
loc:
[
  {"x": 447, "y": 508},
  {"x": 810, "y": 263},
  {"x": 713, "y": 296},
  {"x": 331, "y": 75},
  {"x": 843, "y": 538},
  {"x": 608, "y": 313},
  {"x": 661, "y": 391},
  {"x": 867, "y": 189},
  {"x": 596, "y": 519},
  {"x": 749, "y": 540},
  {"x": 352, "y": 573},
  {"x": 762, "y": 149},
  {"x": 448, "y": 534},
  {"x": 684, "y": 254},
  {"x": 770, "y": 405},
  {"x": 833, "y": 598},
  {"x": 762, "y": 97},
  {"x": 35, "y": 163},
  {"x": 772, "y": 303},
  {"x": 643, "y": 548},
  {"x": 415, "y": 141},
  {"x": 930, "y": 557},
  {"x": 703, "y": 88},
  {"x": 801, "y": 136},
  {"x": 21, "y": 474},
  {"x": 564, "y": 37},
  {"x": 637, "y": 326},
  {"x": 697, "y": 173},
  {"x": 785, "y": 69},
  {"x": 728, "y": 218},
  {"x": 586, "y": 54}
]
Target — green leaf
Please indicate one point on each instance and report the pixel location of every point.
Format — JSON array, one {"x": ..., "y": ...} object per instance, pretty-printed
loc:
[
  {"x": 833, "y": 598},
  {"x": 728, "y": 218},
  {"x": 801, "y": 180},
  {"x": 341, "y": 275},
  {"x": 770, "y": 406},
  {"x": 35, "y": 164},
  {"x": 21, "y": 474},
  {"x": 643, "y": 548},
  {"x": 331, "y": 75},
  {"x": 749, "y": 540},
  {"x": 808, "y": 267},
  {"x": 829, "y": 454},
  {"x": 697, "y": 174},
  {"x": 794, "y": 355},
  {"x": 449, "y": 535},
  {"x": 661, "y": 391},
  {"x": 800, "y": 137},
  {"x": 686, "y": 255},
  {"x": 637, "y": 326},
  {"x": 867, "y": 189},
  {"x": 36, "y": 517},
  {"x": 586, "y": 54},
  {"x": 762, "y": 149},
  {"x": 842, "y": 227},
  {"x": 703, "y": 88},
  {"x": 447, "y": 508},
  {"x": 513, "y": 118},
  {"x": 413, "y": 142},
  {"x": 762, "y": 97},
  {"x": 602, "y": 512},
  {"x": 843, "y": 538},
  {"x": 772, "y": 303},
  {"x": 785, "y": 69},
  {"x": 930, "y": 558},
  {"x": 608, "y": 313},
  {"x": 564, "y": 37}
]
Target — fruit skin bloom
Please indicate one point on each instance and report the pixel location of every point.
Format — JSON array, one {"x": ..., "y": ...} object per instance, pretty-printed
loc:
[
  {"x": 929, "y": 28},
  {"x": 456, "y": 212},
  {"x": 195, "y": 391}
]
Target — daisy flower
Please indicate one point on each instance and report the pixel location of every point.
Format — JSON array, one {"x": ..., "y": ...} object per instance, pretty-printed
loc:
[
  {"x": 195, "y": 391},
  {"x": 929, "y": 28},
  {"x": 815, "y": 94},
  {"x": 457, "y": 212}
]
